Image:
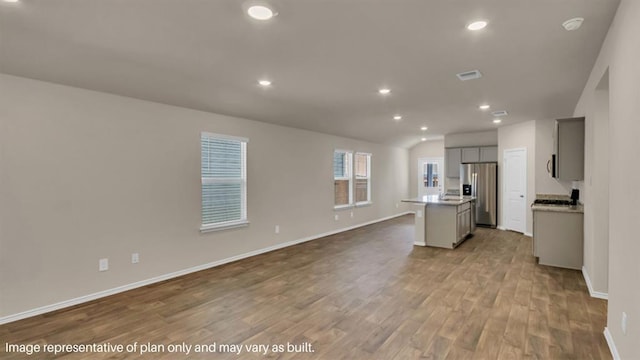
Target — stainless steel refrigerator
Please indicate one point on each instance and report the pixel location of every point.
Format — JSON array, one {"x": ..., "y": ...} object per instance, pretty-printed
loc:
[{"x": 480, "y": 180}]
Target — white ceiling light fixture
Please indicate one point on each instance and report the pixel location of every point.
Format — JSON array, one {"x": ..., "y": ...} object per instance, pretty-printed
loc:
[
  {"x": 424, "y": 128},
  {"x": 264, "y": 83},
  {"x": 477, "y": 25},
  {"x": 497, "y": 121},
  {"x": 261, "y": 12},
  {"x": 384, "y": 91},
  {"x": 484, "y": 107},
  {"x": 423, "y": 139},
  {"x": 397, "y": 117},
  {"x": 573, "y": 24},
  {"x": 11, "y": 1}
]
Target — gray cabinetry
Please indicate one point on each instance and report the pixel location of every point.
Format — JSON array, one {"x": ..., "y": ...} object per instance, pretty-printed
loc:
[
  {"x": 569, "y": 149},
  {"x": 453, "y": 160},
  {"x": 456, "y": 156},
  {"x": 470, "y": 155},
  {"x": 464, "y": 221},
  {"x": 488, "y": 154},
  {"x": 558, "y": 238}
]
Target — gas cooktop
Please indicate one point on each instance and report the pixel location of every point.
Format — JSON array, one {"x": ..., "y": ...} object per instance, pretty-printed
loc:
[{"x": 552, "y": 202}]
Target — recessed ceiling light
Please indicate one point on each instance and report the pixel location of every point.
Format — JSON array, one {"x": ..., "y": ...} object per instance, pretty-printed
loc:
[
  {"x": 477, "y": 25},
  {"x": 484, "y": 107},
  {"x": 424, "y": 128},
  {"x": 384, "y": 91},
  {"x": 397, "y": 117},
  {"x": 497, "y": 121},
  {"x": 423, "y": 139},
  {"x": 264, "y": 83},
  {"x": 11, "y": 1},
  {"x": 572, "y": 24},
  {"x": 260, "y": 12}
]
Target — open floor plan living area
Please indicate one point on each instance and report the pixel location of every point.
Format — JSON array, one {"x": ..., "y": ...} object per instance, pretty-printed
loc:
[{"x": 303, "y": 179}]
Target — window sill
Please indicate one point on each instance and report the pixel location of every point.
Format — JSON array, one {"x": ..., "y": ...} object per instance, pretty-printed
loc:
[
  {"x": 224, "y": 226},
  {"x": 363, "y": 204},
  {"x": 343, "y": 207}
]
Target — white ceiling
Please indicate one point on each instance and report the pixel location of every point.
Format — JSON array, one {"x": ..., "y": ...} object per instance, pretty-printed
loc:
[{"x": 326, "y": 58}]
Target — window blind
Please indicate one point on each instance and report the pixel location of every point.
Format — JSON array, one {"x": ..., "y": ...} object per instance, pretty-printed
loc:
[{"x": 223, "y": 171}]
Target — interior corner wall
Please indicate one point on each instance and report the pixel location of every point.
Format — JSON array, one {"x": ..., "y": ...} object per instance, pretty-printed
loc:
[
  {"x": 87, "y": 175},
  {"x": 521, "y": 135},
  {"x": 426, "y": 149},
  {"x": 620, "y": 55}
]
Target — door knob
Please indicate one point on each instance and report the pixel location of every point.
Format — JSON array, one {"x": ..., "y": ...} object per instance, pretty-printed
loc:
[{"x": 521, "y": 196}]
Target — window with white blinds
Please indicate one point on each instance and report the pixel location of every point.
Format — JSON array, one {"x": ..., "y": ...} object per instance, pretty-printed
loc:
[
  {"x": 224, "y": 181},
  {"x": 363, "y": 178}
]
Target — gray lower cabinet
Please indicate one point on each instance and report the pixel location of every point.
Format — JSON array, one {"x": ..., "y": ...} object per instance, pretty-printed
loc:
[
  {"x": 447, "y": 225},
  {"x": 558, "y": 238}
]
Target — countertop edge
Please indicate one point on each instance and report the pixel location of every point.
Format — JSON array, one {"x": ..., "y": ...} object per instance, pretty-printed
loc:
[{"x": 439, "y": 202}]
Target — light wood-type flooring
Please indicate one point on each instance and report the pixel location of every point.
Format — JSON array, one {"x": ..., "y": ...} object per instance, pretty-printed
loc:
[{"x": 362, "y": 294}]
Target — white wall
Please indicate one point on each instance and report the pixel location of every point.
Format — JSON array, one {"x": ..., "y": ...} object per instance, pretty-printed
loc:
[
  {"x": 86, "y": 175},
  {"x": 481, "y": 138},
  {"x": 620, "y": 55},
  {"x": 426, "y": 149},
  {"x": 521, "y": 135}
]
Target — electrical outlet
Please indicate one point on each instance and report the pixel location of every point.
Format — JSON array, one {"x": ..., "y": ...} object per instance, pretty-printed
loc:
[
  {"x": 103, "y": 264},
  {"x": 135, "y": 258},
  {"x": 336, "y": 217},
  {"x": 623, "y": 323},
  {"x": 352, "y": 214},
  {"x": 277, "y": 229}
]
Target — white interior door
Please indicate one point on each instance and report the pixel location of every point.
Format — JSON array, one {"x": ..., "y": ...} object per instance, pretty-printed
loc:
[
  {"x": 430, "y": 176},
  {"x": 515, "y": 189}
]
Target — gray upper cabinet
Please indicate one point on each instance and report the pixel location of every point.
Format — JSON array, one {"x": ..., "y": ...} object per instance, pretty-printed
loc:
[
  {"x": 456, "y": 156},
  {"x": 569, "y": 149},
  {"x": 488, "y": 154},
  {"x": 470, "y": 155},
  {"x": 453, "y": 158}
]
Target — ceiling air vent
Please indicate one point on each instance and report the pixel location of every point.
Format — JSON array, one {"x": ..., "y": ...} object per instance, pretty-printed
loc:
[
  {"x": 469, "y": 75},
  {"x": 499, "y": 113}
]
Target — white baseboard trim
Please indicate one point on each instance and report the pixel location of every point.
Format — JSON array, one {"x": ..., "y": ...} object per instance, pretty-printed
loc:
[
  {"x": 501, "y": 228},
  {"x": 137, "y": 284},
  {"x": 595, "y": 294},
  {"x": 528, "y": 234},
  {"x": 612, "y": 345}
]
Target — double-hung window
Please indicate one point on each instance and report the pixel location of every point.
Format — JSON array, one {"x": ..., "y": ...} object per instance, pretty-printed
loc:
[
  {"x": 351, "y": 178},
  {"x": 342, "y": 179},
  {"x": 363, "y": 178},
  {"x": 224, "y": 181}
]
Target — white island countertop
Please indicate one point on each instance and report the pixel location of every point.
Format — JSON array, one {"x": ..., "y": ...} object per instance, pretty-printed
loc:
[{"x": 436, "y": 200}]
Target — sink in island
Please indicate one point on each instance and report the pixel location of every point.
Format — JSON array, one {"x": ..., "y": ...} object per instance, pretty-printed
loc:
[{"x": 444, "y": 223}]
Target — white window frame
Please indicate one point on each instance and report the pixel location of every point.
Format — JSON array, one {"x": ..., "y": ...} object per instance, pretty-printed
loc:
[
  {"x": 368, "y": 178},
  {"x": 243, "y": 221},
  {"x": 349, "y": 177}
]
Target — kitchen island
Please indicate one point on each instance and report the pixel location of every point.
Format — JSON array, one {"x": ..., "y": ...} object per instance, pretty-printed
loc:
[{"x": 444, "y": 223}]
